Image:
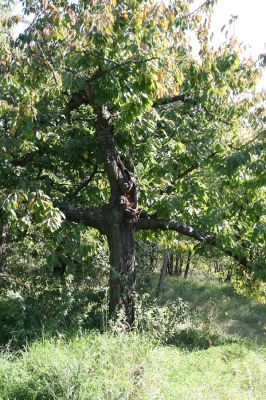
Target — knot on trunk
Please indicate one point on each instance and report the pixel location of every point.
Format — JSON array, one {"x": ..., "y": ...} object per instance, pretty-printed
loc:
[{"x": 127, "y": 182}]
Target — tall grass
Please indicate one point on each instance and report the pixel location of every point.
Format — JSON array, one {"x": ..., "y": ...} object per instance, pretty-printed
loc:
[
  {"x": 219, "y": 307},
  {"x": 130, "y": 366},
  {"x": 219, "y": 353}
]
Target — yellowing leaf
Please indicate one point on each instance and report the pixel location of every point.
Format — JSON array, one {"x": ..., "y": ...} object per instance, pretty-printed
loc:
[
  {"x": 161, "y": 91},
  {"x": 138, "y": 19},
  {"x": 198, "y": 18},
  {"x": 101, "y": 183},
  {"x": 86, "y": 41},
  {"x": 112, "y": 20},
  {"x": 86, "y": 155},
  {"x": 171, "y": 16},
  {"x": 53, "y": 7},
  {"x": 160, "y": 75},
  {"x": 176, "y": 88},
  {"x": 164, "y": 23},
  {"x": 146, "y": 11},
  {"x": 123, "y": 15}
]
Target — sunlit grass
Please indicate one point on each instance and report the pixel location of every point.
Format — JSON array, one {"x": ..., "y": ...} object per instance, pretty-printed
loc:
[
  {"x": 217, "y": 355},
  {"x": 130, "y": 366},
  {"x": 219, "y": 307}
]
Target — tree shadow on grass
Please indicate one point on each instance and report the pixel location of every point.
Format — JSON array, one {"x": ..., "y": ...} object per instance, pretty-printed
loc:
[
  {"x": 219, "y": 315},
  {"x": 48, "y": 313},
  {"x": 221, "y": 309},
  {"x": 198, "y": 338}
]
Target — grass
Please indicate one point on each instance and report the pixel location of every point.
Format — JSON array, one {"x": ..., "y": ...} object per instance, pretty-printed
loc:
[
  {"x": 129, "y": 366},
  {"x": 221, "y": 355},
  {"x": 220, "y": 308}
]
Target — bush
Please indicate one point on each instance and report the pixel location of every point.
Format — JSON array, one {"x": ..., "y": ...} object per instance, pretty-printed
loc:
[
  {"x": 161, "y": 322},
  {"x": 41, "y": 304},
  {"x": 12, "y": 315}
]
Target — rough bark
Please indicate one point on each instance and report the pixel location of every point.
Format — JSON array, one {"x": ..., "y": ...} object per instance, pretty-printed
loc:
[
  {"x": 4, "y": 227},
  {"x": 116, "y": 219},
  {"x": 123, "y": 269},
  {"x": 92, "y": 217},
  {"x": 122, "y": 182},
  {"x": 119, "y": 218},
  {"x": 153, "y": 223},
  {"x": 188, "y": 263},
  {"x": 171, "y": 264},
  {"x": 178, "y": 264}
]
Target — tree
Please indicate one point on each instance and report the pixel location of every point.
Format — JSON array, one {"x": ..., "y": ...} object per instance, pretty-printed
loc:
[
  {"x": 6, "y": 23},
  {"x": 109, "y": 119},
  {"x": 188, "y": 263}
]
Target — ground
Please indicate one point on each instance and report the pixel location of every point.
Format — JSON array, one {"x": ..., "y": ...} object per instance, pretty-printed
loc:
[{"x": 218, "y": 354}]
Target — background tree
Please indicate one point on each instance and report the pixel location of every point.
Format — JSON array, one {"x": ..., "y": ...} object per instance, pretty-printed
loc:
[{"x": 109, "y": 119}]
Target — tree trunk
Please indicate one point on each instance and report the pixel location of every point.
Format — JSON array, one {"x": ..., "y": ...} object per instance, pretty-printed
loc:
[
  {"x": 188, "y": 264},
  {"x": 180, "y": 265},
  {"x": 59, "y": 270},
  {"x": 163, "y": 272},
  {"x": 229, "y": 275},
  {"x": 171, "y": 264},
  {"x": 216, "y": 266},
  {"x": 3, "y": 244},
  {"x": 152, "y": 257},
  {"x": 176, "y": 264},
  {"x": 123, "y": 270}
]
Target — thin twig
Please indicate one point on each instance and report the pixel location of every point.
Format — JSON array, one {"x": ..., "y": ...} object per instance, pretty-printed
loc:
[
  {"x": 197, "y": 9},
  {"x": 49, "y": 64},
  {"x": 82, "y": 185}
]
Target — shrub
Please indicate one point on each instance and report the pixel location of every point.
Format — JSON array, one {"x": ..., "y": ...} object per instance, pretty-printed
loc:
[{"x": 162, "y": 322}]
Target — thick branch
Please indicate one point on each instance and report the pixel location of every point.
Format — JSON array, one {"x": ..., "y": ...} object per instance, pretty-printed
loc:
[
  {"x": 83, "y": 96},
  {"x": 153, "y": 223},
  {"x": 88, "y": 216},
  {"x": 121, "y": 180},
  {"x": 170, "y": 100},
  {"x": 192, "y": 102}
]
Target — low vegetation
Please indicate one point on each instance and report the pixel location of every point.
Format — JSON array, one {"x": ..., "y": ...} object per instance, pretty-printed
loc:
[{"x": 215, "y": 349}]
